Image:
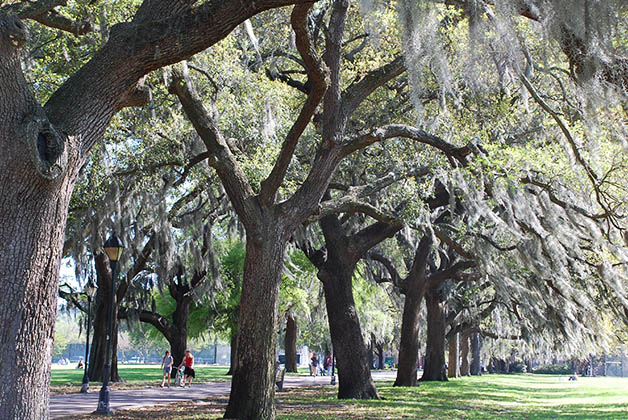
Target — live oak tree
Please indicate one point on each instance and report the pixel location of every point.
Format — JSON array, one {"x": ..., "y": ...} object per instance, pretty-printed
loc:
[
  {"x": 336, "y": 263},
  {"x": 187, "y": 287},
  {"x": 45, "y": 146},
  {"x": 569, "y": 102},
  {"x": 134, "y": 197},
  {"x": 270, "y": 220},
  {"x": 296, "y": 297}
]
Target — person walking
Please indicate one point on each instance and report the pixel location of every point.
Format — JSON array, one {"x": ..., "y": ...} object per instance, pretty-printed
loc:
[
  {"x": 313, "y": 365},
  {"x": 166, "y": 366},
  {"x": 329, "y": 365},
  {"x": 188, "y": 362}
]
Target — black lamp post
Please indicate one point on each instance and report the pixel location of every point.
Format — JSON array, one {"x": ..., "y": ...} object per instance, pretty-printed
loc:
[
  {"x": 113, "y": 248},
  {"x": 90, "y": 291}
]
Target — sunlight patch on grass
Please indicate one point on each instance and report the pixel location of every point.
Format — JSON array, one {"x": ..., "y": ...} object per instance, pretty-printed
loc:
[{"x": 490, "y": 397}]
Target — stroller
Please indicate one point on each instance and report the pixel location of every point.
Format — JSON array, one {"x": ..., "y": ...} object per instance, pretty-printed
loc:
[{"x": 179, "y": 379}]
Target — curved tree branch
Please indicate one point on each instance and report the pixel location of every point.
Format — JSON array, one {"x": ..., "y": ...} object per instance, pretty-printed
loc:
[
  {"x": 223, "y": 161},
  {"x": 317, "y": 81},
  {"x": 400, "y": 130}
]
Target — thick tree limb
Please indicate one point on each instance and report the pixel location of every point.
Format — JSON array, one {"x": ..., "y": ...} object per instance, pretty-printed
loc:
[
  {"x": 43, "y": 11},
  {"x": 30, "y": 9},
  {"x": 449, "y": 273},
  {"x": 349, "y": 204},
  {"x": 352, "y": 200},
  {"x": 453, "y": 244},
  {"x": 466, "y": 326},
  {"x": 406, "y": 131},
  {"x": 395, "y": 278},
  {"x": 56, "y": 20},
  {"x": 163, "y": 324},
  {"x": 317, "y": 81},
  {"x": 72, "y": 297},
  {"x": 419, "y": 264},
  {"x": 561, "y": 203},
  {"x": 223, "y": 161},
  {"x": 139, "y": 265},
  {"x": 361, "y": 242},
  {"x": 356, "y": 93},
  {"x": 136, "y": 48},
  {"x": 332, "y": 126}
]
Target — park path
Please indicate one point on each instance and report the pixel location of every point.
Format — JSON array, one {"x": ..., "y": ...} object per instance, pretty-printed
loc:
[{"x": 77, "y": 404}]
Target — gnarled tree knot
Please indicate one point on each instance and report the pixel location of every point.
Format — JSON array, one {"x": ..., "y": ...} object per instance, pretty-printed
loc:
[
  {"x": 46, "y": 147},
  {"x": 13, "y": 33}
]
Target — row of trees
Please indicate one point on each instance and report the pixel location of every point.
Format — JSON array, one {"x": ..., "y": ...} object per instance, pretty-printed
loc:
[{"x": 441, "y": 147}]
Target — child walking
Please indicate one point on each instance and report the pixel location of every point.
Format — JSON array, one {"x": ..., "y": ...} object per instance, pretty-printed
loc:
[{"x": 166, "y": 366}]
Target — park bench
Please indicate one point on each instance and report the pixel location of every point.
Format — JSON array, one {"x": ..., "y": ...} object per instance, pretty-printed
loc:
[{"x": 279, "y": 377}]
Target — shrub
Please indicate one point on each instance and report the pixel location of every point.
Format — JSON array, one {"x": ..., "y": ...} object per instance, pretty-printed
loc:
[
  {"x": 559, "y": 369},
  {"x": 518, "y": 367}
]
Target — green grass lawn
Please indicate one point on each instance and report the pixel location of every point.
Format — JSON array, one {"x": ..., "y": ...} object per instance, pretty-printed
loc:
[
  {"x": 67, "y": 380},
  {"x": 490, "y": 397}
]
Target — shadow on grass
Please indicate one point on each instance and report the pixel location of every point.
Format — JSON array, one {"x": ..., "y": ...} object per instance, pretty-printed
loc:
[
  {"x": 490, "y": 397},
  {"x": 487, "y": 397}
]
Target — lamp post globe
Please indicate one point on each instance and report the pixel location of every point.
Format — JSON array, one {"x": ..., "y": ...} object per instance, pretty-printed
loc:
[
  {"x": 90, "y": 291},
  {"x": 113, "y": 248}
]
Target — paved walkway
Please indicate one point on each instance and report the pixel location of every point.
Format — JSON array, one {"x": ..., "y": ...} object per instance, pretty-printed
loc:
[{"x": 75, "y": 404}]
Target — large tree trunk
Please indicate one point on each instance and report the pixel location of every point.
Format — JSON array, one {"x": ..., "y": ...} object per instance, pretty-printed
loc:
[
  {"x": 371, "y": 351},
  {"x": 253, "y": 383},
  {"x": 42, "y": 152},
  {"x": 415, "y": 290},
  {"x": 476, "y": 348},
  {"x": 454, "y": 366},
  {"x": 33, "y": 212},
  {"x": 101, "y": 321},
  {"x": 434, "y": 367},
  {"x": 31, "y": 235},
  {"x": 179, "y": 334},
  {"x": 409, "y": 343},
  {"x": 465, "y": 368},
  {"x": 380, "y": 356},
  {"x": 335, "y": 269},
  {"x": 98, "y": 350},
  {"x": 233, "y": 354},
  {"x": 291, "y": 344},
  {"x": 178, "y": 344},
  {"x": 354, "y": 375}
]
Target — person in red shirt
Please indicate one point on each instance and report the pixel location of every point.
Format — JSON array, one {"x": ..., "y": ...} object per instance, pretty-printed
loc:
[{"x": 188, "y": 362}]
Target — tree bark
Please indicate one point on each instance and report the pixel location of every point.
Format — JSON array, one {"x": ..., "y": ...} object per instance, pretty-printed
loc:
[
  {"x": 415, "y": 290},
  {"x": 179, "y": 335},
  {"x": 476, "y": 348},
  {"x": 354, "y": 375},
  {"x": 371, "y": 351},
  {"x": 99, "y": 347},
  {"x": 291, "y": 344},
  {"x": 101, "y": 321},
  {"x": 335, "y": 269},
  {"x": 233, "y": 354},
  {"x": 33, "y": 211},
  {"x": 31, "y": 233},
  {"x": 465, "y": 368},
  {"x": 434, "y": 367},
  {"x": 253, "y": 382},
  {"x": 454, "y": 366},
  {"x": 43, "y": 150},
  {"x": 380, "y": 357}
]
